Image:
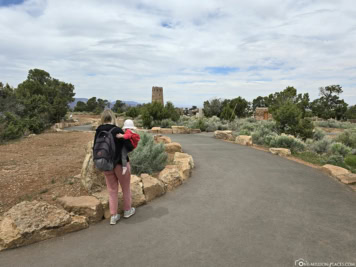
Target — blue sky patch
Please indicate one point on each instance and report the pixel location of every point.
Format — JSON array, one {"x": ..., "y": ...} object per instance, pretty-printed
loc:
[
  {"x": 11, "y": 2},
  {"x": 166, "y": 24},
  {"x": 221, "y": 70}
]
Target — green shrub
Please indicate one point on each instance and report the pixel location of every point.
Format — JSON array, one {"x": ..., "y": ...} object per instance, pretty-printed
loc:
[
  {"x": 348, "y": 138},
  {"x": 294, "y": 144},
  {"x": 263, "y": 136},
  {"x": 211, "y": 128},
  {"x": 167, "y": 123},
  {"x": 287, "y": 117},
  {"x": 309, "y": 142},
  {"x": 318, "y": 134},
  {"x": 336, "y": 160},
  {"x": 36, "y": 124},
  {"x": 148, "y": 157},
  {"x": 322, "y": 146},
  {"x": 305, "y": 129},
  {"x": 339, "y": 149},
  {"x": 244, "y": 132},
  {"x": 350, "y": 161},
  {"x": 12, "y": 127}
]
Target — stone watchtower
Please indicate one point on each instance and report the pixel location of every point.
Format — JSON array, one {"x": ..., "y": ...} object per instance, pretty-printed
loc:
[{"x": 157, "y": 94}]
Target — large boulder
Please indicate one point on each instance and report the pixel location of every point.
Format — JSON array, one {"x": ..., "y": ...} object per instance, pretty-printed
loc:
[
  {"x": 343, "y": 175},
  {"x": 349, "y": 178},
  {"x": 103, "y": 197},
  {"x": 180, "y": 130},
  {"x": 152, "y": 187},
  {"x": 92, "y": 179},
  {"x": 30, "y": 222},
  {"x": 171, "y": 177},
  {"x": 280, "y": 151},
  {"x": 185, "y": 164},
  {"x": 334, "y": 170},
  {"x": 225, "y": 135},
  {"x": 178, "y": 156},
  {"x": 244, "y": 140},
  {"x": 171, "y": 149},
  {"x": 87, "y": 206},
  {"x": 162, "y": 139}
]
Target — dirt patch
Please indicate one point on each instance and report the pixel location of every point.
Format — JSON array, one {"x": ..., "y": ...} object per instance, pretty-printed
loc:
[
  {"x": 42, "y": 167},
  {"x": 85, "y": 119}
]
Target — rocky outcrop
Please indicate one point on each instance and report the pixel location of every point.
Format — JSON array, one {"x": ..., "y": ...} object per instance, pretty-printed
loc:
[
  {"x": 225, "y": 135},
  {"x": 244, "y": 140},
  {"x": 30, "y": 222},
  {"x": 152, "y": 187},
  {"x": 87, "y": 206},
  {"x": 343, "y": 175},
  {"x": 162, "y": 139},
  {"x": 280, "y": 151},
  {"x": 92, "y": 179},
  {"x": 171, "y": 177}
]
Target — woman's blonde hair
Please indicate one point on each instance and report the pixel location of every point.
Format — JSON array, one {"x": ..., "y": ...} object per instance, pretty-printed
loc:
[{"x": 108, "y": 117}]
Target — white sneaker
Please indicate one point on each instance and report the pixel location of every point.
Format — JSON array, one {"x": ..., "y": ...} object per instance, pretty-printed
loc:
[
  {"x": 114, "y": 219},
  {"x": 129, "y": 213}
]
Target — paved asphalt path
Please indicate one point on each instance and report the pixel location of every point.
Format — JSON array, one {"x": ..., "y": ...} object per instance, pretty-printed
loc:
[{"x": 241, "y": 207}]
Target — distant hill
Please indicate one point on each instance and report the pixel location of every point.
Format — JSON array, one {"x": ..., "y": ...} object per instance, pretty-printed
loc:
[{"x": 74, "y": 103}]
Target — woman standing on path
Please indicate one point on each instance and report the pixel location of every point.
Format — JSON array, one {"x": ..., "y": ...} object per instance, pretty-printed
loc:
[{"x": 116, "y": 176}]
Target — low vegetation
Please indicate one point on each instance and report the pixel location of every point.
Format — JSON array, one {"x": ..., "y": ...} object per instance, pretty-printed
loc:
[{"x": 148, "y": 157}]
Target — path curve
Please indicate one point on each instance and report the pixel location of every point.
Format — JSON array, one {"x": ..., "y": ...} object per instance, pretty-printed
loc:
[{"x": 241, "y": 207}]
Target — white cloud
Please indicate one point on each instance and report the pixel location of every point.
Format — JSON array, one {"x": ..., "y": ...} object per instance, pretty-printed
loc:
[{"x": 120, "y": 49}]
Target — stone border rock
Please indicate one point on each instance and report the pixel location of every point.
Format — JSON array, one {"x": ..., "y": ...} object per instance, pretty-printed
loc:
[
  {"x": 341, "y": 174},
  {"x": 30, "y": 222},
  {"x": 174, "y": 130}
]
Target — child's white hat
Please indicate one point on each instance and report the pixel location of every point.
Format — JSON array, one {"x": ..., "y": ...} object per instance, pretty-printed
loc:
[{"x": 129, "y": 124}]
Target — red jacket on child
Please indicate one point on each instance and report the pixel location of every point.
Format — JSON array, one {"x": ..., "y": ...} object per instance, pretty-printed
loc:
[{"x": 133, "y": 137}]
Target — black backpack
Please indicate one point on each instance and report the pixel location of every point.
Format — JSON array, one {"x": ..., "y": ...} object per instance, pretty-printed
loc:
[{"x": 104, "y": 151}]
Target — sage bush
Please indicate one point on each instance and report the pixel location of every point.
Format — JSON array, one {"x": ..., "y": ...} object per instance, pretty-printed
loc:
[{"x": 148, "y": 157}]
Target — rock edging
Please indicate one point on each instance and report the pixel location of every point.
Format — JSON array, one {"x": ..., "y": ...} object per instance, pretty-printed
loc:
[
  {"x": 30, "y": 222},
  {"x": 174, "y": 130},
  {"x": 341, "y": 174}
]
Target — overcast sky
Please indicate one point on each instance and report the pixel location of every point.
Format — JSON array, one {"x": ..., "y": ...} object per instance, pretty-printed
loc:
[{"x": 195, "y": 50}]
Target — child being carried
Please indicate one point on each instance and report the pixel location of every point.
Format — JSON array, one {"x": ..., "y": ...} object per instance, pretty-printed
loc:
[{"x": 129, "y": 135}]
